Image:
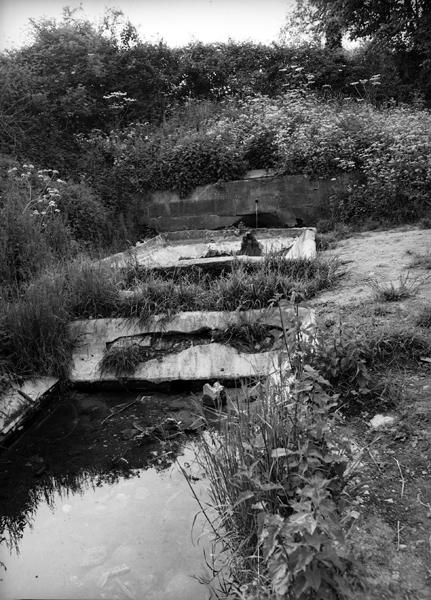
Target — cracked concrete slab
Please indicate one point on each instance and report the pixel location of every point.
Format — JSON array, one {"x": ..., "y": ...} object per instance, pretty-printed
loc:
[
  {"x": 198, "y": 362},
  {"x": 19, "y": 401},
  {"x": 169, "y": 251}
]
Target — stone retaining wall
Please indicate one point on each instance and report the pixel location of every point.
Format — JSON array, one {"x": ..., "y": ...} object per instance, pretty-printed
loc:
[{"x": 281, "y": 201}]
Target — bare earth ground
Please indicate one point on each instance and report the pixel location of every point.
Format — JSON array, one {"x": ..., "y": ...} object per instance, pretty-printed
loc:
[{"x": 391, "y": 536}]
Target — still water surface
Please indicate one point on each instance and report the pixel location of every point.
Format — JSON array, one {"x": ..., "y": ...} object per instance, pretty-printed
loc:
[{"x": 130, "y": 538}]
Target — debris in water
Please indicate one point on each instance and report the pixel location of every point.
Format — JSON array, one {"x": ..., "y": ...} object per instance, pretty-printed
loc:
[
  {"x": 382, "y": 421},
  {"x": 214, "y": 395},
  {"x": 250, "y": 246}
]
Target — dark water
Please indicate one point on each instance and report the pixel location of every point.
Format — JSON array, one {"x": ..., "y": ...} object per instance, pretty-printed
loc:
[{"x": 100, "y": 518}]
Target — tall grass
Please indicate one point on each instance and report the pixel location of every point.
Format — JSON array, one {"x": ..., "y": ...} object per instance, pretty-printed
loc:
[
  {"x": 34, "y": 317},
  {"x": 276, "y": 472},
  {"x": 34, "y": 338},
  {"x": 244, "y": 287}
]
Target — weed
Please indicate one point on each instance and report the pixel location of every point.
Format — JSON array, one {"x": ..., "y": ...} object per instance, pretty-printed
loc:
[
  {"x": 421, "y": 261},
  {"x": 424, "y": 317},
  {"x": 326, "y": 241},
  {"x": 352, "y": 362},
  {"x": 276, "y": 475},
  {"x": 400, "y": 347},
  {"x": 405, "y": 287},
  {"x": 122, "y": 361}
]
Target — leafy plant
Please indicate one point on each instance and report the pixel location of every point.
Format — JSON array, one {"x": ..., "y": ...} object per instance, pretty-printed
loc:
[{"x": 276, "y": 477}]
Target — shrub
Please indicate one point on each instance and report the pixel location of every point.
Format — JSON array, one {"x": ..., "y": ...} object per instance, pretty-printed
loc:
[
  {"x": 87, "y": 217},
  {"x": 384, "y": 151}
]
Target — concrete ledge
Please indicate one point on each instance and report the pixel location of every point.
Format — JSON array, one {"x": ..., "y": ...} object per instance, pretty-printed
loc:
[
  {"x": 168, "y": 251},
  {"x": 201, "y": 362},
  {"x": 20, "y": 401}
]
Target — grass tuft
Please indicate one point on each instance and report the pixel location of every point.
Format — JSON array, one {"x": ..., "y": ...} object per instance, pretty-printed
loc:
[
  {"x": 400, "y": 347},
  {"x": 405, "y": 287},
  {"x": 424, "y": 317},
  {"x": 122, "y": 361},
  {"x": 421, "y": 261}
]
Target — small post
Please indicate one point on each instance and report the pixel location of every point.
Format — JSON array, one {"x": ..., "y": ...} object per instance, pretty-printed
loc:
[{"x": 257, "y": 203}]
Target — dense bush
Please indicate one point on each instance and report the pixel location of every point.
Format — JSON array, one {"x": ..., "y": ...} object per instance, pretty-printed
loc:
[
  {"x": 33, "y": 231},
  {"x": 384, "y": 150},
  {"x": 86, "y": 216}
]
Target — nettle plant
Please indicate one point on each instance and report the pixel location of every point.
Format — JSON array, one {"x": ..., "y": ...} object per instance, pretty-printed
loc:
[{"x": 277, "y": 473}]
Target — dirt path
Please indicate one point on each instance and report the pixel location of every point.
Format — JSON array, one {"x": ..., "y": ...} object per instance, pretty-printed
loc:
[
  {"x": 381, "y": 255},
  {"x": 391, "y": 538}
]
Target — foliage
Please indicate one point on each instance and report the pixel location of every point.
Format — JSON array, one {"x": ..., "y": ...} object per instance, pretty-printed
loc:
[
  {"x": 341, "y": 358},
  {"x": 276, "y": 477},
  {"x": 33, "y": 325},
  {"x": 87, "y": 217},
  {"x": 403, "y": 27},
  {"x": 352, "y": 361},
  {"x": 33, "y": 231},
  {"x": 376, "y": 157},
  {"x": 396, "y": 347}
]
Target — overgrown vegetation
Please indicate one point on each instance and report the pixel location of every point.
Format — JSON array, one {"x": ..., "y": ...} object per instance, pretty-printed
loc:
[
  {"x": 34, "y": 316},
  {"x": 355, "y": 362},
  {"x": 277, "y": 473},
  {"x": 178, "y": 118},
  {"x": 244, "y": 287}
]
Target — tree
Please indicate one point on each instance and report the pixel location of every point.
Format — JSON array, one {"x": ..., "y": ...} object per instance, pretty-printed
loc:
[{"x": 402, "y": 27}]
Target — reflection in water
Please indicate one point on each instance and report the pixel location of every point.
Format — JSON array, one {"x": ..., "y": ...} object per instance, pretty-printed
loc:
[{"x": 102, "y": 531}]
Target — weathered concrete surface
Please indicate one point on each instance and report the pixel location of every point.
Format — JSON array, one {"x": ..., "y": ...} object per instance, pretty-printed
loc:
[
  {"x": 204, "y": 362},
  {"x": 165, "y": 252},
  {"x": 281, "y": 201},
  {"x": 19, "y": 401}
]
